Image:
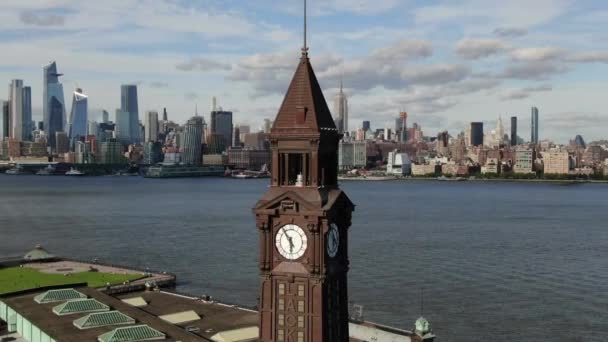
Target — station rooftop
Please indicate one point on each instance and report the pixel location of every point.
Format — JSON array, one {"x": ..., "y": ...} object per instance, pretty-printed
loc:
[{"x": 151, "y": 315}]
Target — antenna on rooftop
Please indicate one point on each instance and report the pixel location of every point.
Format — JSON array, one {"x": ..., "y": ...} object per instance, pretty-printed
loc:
[{"x": 305, "y": 47}]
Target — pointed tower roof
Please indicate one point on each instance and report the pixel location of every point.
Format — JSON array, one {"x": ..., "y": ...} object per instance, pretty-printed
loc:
[{"x": 304, "y": 107}]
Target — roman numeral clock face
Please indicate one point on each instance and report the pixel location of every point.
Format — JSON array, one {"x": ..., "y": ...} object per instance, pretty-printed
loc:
[
  {"x": 333, "y": 240},
  {"x": 291, "y": 242}
]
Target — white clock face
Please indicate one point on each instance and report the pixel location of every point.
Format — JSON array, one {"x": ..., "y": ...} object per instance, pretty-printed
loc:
[
  {"x": 333, "y": 240},
  {"x": 291, "y": 242}
]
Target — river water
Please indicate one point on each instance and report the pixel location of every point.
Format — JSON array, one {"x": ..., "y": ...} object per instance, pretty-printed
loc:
[{"x": 497, "y": 261}]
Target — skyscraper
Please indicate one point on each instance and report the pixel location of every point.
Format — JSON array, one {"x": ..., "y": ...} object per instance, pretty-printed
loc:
[
  {"x": 192, "y": 152},
  {"x": 151, "y": 126},
  {"x": 105, "y": 116},
  {"x": 534, "y": 126},
  {"x": 165, "y": 115},
  {"x": 78, "y": 116},
  {"x": 514, "y": 131},
  {"x": 20, "y": 111},
  {"x": 476, "y": 133},
  {"x": 128, "y": 104},
  {"x": 366, "y": 125},
  {"x": 401, "y": 127},
  {"x": 221, "y": 123},
  {"x": 341, "y": 110},
  {"x": 5, "y": 124},
  {"x": 122, "y": 130},
  {"x": 27, "y": 126},
  {"x": 53, "y": 105}
]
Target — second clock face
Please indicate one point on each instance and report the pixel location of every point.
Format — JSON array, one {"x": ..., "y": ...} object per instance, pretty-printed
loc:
[
  {"x": 291, "y": 242},
  {"x": 333, "y": 240}
]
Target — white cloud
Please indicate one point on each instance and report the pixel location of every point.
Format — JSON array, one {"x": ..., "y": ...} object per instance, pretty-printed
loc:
[
  {"x": 589, "y": 57},
  {"x": 538, "y": 54},
  {"x": 478, "y": 48},
  {"x": 202, "y": 64}
]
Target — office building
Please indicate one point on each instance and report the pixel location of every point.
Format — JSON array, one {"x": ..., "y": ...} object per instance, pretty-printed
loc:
[
  {"x": 151, "y": 126},
  {"x": 236, "y": 137},
  {"x": 53, "y": 104},
  {"x": 267, "y": 125},
  {"x": 556, "y": 162},
  {"x": 20, "y": 111},
  {"x": 105, "y": 116},
  {"x": 128, "y": 104},
  {"x": 122, "y": 130},
  {"x": 153, "y": 152},
  {"x": 111, "y": 152},
  {"x": 514, "y": 131},
  {"x": 534, "y": 126},
  {"x": 341, "y": 110},
  {"x": 366, "y": 125},
  {"x": 476, "y": 133},
  {"x": 401, "y": 127},
  {"x": 5, "y": 122},
  {"x": 192, "y": 146},
  {"x": 248, "y": 159},
  {"x": 62, "y": 142},
  {"x": 79, "y": 115},
  {"x": 221, "y": 124},
  {"x": 352, "y": 155},
  {"x": 524, "y": 160}
]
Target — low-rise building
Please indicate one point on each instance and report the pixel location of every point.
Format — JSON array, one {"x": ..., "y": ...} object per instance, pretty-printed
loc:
[
  {"x": 248, "y": 159},
  {"x": 492, "y": 166},
  {"x": 399, "y": 164},
  {"x": 424, "y": 169},
  {"x": 215, "y": 159}
]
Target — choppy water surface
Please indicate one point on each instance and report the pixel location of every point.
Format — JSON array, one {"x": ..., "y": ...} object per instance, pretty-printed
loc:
[{"x": 498, "y": 261}]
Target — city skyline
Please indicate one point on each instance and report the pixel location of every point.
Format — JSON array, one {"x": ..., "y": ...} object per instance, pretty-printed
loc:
[{"x": 461, "y": 66}]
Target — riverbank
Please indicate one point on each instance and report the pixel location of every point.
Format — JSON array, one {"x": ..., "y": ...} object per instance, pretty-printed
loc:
[{"x": 507, "y": 180}]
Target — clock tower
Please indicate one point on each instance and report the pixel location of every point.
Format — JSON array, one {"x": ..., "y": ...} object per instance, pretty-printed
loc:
[{"x": 303, "y": 220}]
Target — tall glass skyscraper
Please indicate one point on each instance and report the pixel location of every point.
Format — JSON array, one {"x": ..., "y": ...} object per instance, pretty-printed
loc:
[
  {"x": 5, "y": 120},
  {"x": 122, "y": 130},
  {"x": 26, "y": 125},
  {"x": 53, "y": 105},
  {"x": 476, "y": 133},
  {"x": 514, "y": 131},
  {"x": 128, "y": 103},
  {"x": 221, "y": 124},
  {"x": 534, "y": 126},
  {"x": 79, "y": 115},
  {"x": 193, "y": 147}
]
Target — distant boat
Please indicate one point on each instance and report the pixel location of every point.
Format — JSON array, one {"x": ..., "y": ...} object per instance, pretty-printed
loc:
[
  {"x": 241, "y": 176},
  {"x": 74, "y": 172},
  {"x": 17, "y": 170},
  {"x": 47, "y": 171}
]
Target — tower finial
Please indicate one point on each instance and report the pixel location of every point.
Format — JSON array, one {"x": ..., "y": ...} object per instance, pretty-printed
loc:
[{"x": 305, "y": 47}]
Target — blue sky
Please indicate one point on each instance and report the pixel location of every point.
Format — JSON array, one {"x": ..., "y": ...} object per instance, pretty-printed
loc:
[{"x": 445, "y": 62}]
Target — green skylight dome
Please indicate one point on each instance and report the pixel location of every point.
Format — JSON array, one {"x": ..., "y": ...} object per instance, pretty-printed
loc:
[
  {"x": 80, "y": 306},
  {"x": 58, "y": 296},
  {"x": 134, "y": 333},
  {"x": 101, "y": 319}
]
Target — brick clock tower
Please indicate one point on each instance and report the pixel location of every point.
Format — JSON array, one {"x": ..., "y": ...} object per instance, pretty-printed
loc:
[{"x": 303, "y": 222}]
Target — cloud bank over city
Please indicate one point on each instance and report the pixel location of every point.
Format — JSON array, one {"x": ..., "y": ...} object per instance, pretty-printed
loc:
[{"x": 444, "y": 62}]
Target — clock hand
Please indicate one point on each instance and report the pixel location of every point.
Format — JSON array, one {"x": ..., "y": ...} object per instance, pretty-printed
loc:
[{"x": 290, "y": 239}]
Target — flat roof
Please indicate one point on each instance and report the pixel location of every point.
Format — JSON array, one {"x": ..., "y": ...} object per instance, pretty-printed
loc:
[
  {"x": 61, "y": 328},
  {"x": 215, "y": 317}
]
